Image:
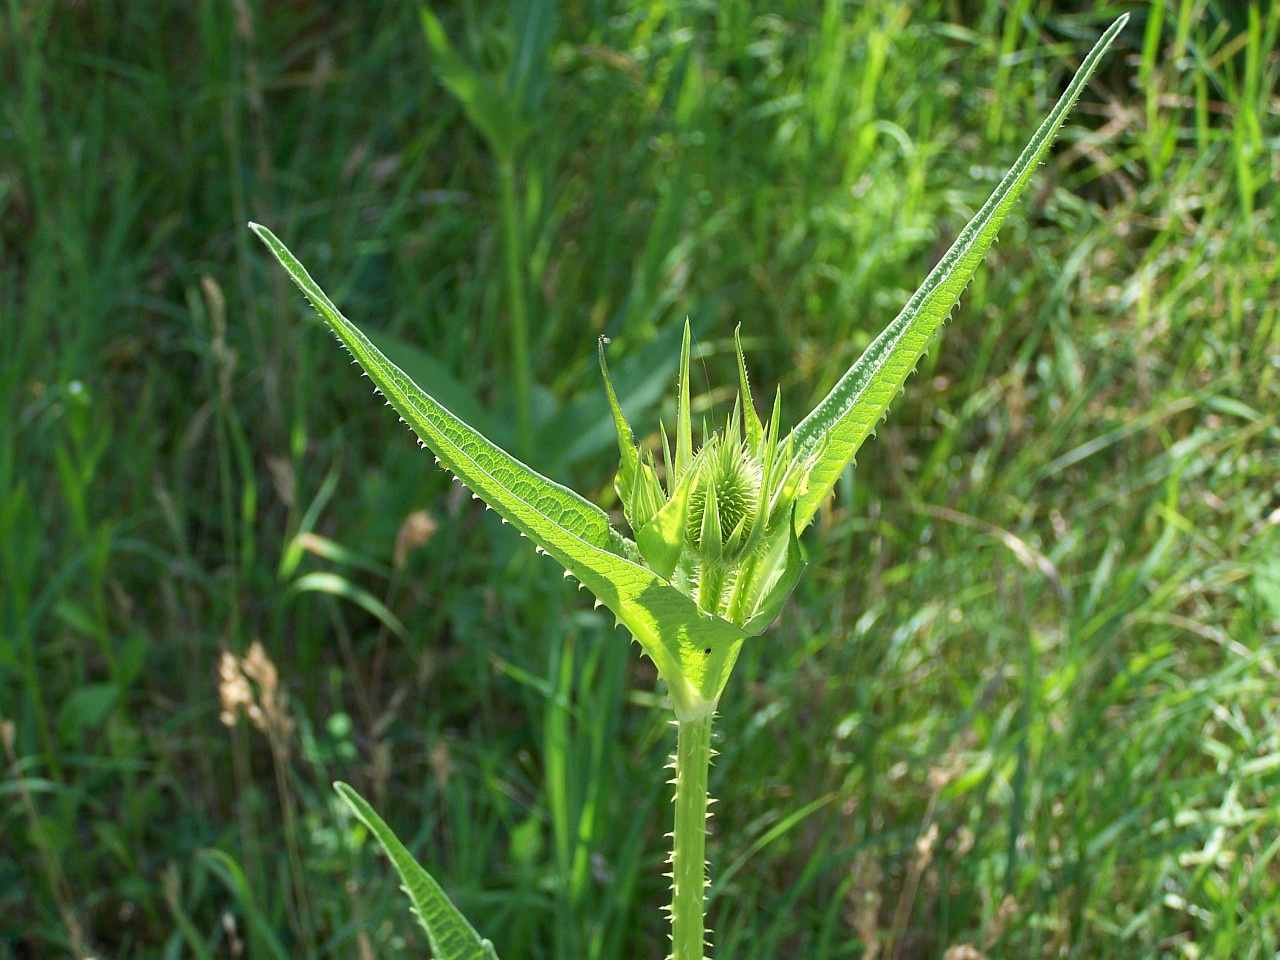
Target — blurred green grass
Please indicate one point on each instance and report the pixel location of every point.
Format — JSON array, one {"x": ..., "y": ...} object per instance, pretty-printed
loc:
[{"x": 1026, "y": 700}]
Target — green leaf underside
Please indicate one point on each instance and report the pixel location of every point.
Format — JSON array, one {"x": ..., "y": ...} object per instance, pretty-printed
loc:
[
  {"x": 450, "y": 935},
  {"x": 669, "y": 626},
  {"x": 840, "y": 424}
]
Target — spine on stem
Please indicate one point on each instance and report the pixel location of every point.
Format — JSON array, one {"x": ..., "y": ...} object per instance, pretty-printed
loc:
[{"x": 689, "y": 838}]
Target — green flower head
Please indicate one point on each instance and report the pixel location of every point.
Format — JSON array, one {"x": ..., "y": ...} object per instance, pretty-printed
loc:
[{"x": 719, "y": 525}]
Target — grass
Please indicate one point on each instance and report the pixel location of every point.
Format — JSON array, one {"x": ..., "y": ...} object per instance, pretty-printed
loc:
[{"x": 1024, "y": 701}]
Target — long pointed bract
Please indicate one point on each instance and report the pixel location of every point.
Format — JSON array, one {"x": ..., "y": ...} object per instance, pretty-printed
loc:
[
  {"x": 850, "y": 412},
  {"x": 684, "y": 418}
]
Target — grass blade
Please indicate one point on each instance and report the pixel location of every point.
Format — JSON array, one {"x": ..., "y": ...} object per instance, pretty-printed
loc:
[
  {"x": 849, "y": 413},
  {"x": 262, "y": 937}
]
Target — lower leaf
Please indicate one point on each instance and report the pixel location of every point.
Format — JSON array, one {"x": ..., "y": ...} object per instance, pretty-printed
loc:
[{"x": 450, "y": 935}]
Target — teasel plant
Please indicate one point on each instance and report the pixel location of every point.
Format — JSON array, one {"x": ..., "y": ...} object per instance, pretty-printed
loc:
[{"x": 714, "y": 550}]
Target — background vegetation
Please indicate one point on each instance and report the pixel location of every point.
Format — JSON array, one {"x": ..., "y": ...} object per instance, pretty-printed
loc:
[{"x": 1024, "y": 704}]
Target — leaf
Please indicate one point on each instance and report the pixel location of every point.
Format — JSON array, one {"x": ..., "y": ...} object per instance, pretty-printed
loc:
[
  {"x": 693, "y": 650},
  {"x": 338, "y": 586},
  {"x": 86, "y": 708},
  {"x": 485, "y": 107},
  {"x": 849, "y": 413},
  {"x": 459, "y": 397},
  {"x": 1266, "y": 585},
  {"x": 768, "y": 600},
  {"x": 533, "y": 28},
  {"x": 661, "y": 540},
  {"x": 451, "y": 936}
]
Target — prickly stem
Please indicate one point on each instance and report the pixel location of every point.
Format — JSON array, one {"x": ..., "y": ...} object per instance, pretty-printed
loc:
[{"x": 688, "y": 863}]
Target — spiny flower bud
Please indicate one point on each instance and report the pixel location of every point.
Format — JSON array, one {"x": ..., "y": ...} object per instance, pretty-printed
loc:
[
  {"x": 718, "y": 526},
  {"x": 734, "y": 475}
]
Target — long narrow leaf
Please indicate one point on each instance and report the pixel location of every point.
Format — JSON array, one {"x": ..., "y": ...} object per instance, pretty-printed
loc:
[
  {"x": 569, "y": 528},
  {"x": 849, "y": 413},
  {"x": 450, "y": 935}
]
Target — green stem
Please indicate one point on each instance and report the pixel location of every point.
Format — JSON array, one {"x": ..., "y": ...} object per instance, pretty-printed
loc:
[
  {"x": 516, "y": 303},
  {"x": 688, "y": 857}
]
